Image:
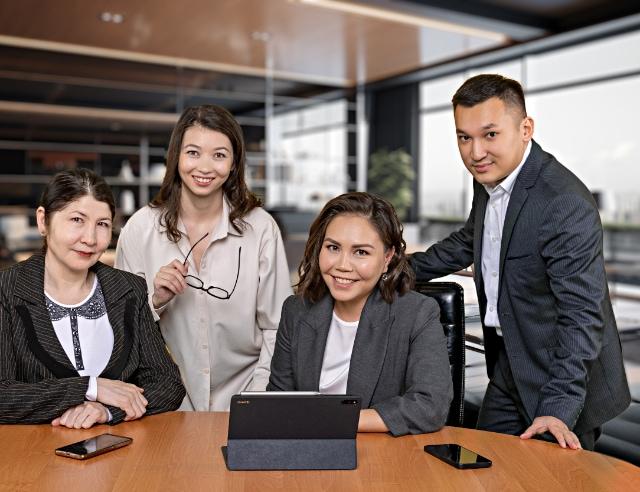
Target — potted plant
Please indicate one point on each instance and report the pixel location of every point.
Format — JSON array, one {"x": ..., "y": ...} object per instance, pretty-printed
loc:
[{"x": 391, "y": 175}]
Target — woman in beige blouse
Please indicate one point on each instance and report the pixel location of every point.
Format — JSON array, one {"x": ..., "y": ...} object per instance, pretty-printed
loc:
[{"x": 213, "y": 260}]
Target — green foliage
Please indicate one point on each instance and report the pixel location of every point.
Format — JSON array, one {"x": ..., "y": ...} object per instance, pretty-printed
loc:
[{"x": 390, "y": 176}]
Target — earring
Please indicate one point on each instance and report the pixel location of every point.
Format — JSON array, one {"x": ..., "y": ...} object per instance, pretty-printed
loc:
[{"x": 384, "y": 277}]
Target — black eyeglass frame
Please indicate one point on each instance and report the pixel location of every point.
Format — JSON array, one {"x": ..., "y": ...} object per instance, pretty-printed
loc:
[{"x": 212, "y": 288}]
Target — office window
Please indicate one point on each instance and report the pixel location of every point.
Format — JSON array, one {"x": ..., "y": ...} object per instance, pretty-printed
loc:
[
  {"x": 444, "y": 182},
  {"x": 589, "y": 126},
  {"x": 592, "y": 130},
  {"x": 438, "y": 92},
  {"x": 309, "y": 157},
  {"x": 512, "y": 69},
  {"x": 602, "y": 58}
]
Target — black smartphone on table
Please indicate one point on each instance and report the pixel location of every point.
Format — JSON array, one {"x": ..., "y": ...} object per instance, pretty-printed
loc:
[
  {"x": 458, "y": 456},
  {"x": 93, "y": 446}
]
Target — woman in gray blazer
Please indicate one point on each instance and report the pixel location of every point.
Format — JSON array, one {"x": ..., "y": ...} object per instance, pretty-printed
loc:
[
  {"x": 356, "y": 327},
  {"x": 78, "y": 345}
]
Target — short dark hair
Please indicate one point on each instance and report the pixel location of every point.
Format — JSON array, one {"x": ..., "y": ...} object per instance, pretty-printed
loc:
[
  {"x": 482, "y": 87},
  {"x": 241, "y": 200},
  {"x": 70, "y": 185},
  {"x": 382, "y": 216}
]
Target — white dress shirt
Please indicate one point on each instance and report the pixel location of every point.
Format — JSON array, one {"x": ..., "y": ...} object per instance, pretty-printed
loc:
[
  {"x": 222, "y": 347},
  {"x": 492, "y": 238},
  {"x": 337, "y": 356},
  {"x": 85, "y": 334}
]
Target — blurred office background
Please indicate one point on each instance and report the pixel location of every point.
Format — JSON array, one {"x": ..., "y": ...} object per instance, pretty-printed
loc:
[{"x": 333, "y": 96}]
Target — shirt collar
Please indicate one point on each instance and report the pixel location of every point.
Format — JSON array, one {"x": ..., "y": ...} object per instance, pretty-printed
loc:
[
  {"x": 224, "y": 224},
  {"x": 508, "y": 182}
]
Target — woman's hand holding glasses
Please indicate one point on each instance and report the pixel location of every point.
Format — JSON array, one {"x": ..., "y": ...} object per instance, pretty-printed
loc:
[{"x": 169, "y": 282}]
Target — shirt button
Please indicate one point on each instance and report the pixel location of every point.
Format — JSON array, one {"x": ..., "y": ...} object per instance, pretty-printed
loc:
[
  {"x": 494, "y": 274},
  {"x": 205, "y": 371},
  {"x": 491, "y": 309},
  {"x": 205, "y": 346}
]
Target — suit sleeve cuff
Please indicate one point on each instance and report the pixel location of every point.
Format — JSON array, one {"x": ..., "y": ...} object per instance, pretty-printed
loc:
[
  {"x": 117, "y": 415},
  {"x": 391, "y": 417},
  {"x": 565, "y": 409}
]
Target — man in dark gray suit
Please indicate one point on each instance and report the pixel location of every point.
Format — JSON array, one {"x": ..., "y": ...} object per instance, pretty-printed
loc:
[{"x": 534, "y": 235}]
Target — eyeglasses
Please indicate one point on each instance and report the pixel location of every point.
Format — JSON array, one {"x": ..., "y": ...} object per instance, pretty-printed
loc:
[{"x": 196, "y": 283}]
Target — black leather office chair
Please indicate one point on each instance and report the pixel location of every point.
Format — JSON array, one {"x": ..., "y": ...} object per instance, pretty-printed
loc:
[
  {"x": 450, "y": 297},
  {"x": 620, "y": 436}
]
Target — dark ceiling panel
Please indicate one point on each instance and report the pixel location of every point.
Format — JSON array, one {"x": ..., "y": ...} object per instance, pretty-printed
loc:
[{"x": 551, "y": 15}]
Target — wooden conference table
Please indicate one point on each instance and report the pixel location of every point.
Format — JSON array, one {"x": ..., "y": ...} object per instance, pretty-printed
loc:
[{"x": 181, "y": 451}]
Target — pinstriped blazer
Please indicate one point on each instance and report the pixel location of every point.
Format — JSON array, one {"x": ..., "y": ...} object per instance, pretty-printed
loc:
[
  {"x": 558, "y": 326},
  {"x": 38, "y": 382}
]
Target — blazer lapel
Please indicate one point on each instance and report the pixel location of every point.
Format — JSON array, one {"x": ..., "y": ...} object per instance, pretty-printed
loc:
[
  {"x": 478, "y": 226},
  {"x": 30, "y": 288},
  {"x": 115, "y": 290},
  {"x": 312, "y": 342},
  {"x": 518, "y": 197},
  {"x": 519, "y": 194},
  {"x": 369, "y": 348}
]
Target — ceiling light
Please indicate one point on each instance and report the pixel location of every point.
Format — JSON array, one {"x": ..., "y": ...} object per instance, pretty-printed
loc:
[
  {"x": 263, "y": 36},
  {"x": 395, "y": 16},
  {"x": 113, "y": 17}
]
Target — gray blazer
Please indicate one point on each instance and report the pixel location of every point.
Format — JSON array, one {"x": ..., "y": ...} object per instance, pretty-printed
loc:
[
  {"x": 560, "y": 334},
  {"x": 38, "y": 381},
  {"x": 399, "y": 364}
]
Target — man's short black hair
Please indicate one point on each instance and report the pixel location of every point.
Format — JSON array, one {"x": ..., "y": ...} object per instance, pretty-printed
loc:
[{"x": 483, "y": 87}]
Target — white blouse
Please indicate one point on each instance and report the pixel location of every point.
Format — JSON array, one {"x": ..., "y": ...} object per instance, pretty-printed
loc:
[
  {"x": 222, "y": 345},
  {"x": 85, "y": 334},
  {"x": 337, "y": 356}
]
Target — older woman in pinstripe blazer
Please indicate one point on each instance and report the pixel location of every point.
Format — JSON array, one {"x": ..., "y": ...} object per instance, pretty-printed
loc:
[{"x": 78, "y": 345}]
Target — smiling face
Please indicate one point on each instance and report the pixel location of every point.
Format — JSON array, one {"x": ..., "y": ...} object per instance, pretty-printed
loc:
[
  {"x": 77, "y": 235},
  {"x": 352, "y": 259},
  {"x": 492, "y": 138},
  {"x": 206, "y": 159}
]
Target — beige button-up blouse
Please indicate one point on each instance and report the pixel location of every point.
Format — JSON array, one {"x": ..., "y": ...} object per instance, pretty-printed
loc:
[{"x": 221, "y": 346}]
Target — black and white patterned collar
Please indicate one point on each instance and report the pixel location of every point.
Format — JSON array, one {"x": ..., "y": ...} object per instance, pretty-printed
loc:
[{"x": 93, "y": 308}]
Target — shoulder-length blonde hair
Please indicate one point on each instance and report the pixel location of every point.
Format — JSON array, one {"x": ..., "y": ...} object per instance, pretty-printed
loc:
[
  {"x": 241, "y": 200},
  {"x": 381, "y": 215}
]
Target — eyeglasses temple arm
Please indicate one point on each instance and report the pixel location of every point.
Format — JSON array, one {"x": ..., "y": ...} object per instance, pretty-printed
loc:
[
  {"x": 192, "y": 247},
  {"x": 238, "y": 273}
]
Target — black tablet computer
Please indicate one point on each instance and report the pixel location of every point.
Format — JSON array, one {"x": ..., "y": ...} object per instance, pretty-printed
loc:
[{"x": 292, "y": 431}]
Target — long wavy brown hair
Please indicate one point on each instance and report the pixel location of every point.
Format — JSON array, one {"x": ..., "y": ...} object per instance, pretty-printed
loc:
[
  {"x": 382, "y": 216},
  {"x": 241, "y": 200}
]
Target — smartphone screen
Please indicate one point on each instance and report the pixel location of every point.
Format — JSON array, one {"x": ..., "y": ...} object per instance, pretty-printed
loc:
[
  {"x": 456, "y": 455},
  {"x": 93, "y": 446}
]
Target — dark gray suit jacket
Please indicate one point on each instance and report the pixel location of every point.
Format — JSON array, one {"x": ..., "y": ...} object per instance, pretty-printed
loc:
[
  {"x": 38, "y": 382},
  {"x": 399, "y": 364},
  {"x": 559, "y": 330}
]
